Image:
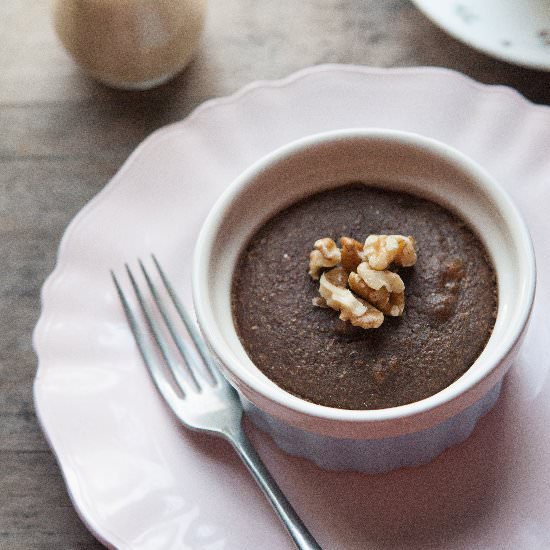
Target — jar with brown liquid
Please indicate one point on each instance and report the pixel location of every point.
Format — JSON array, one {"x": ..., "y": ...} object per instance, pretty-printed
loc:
[{"x": 130, "y": 44}]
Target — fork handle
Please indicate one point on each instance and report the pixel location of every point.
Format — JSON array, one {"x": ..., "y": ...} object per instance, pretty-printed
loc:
[{"x": 294, "y": 525}]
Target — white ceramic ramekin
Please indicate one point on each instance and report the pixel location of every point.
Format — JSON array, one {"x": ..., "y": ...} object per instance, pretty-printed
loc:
[{"x": 373, "y": 440}]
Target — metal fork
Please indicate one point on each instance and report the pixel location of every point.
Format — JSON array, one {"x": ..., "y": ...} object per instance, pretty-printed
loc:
[{"x": 205, "y": 405}]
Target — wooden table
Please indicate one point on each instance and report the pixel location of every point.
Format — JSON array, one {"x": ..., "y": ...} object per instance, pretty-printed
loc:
[{"x": 63, "y": 136}]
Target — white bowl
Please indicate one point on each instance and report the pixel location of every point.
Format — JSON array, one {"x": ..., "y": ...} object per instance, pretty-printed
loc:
[{"x": 365, "y": 440}]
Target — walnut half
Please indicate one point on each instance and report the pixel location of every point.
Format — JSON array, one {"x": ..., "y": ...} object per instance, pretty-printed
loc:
[
  {"x": 383, "y": 289},
  {"x": 325, "y": 254},
  {"x": 352, "y": 251},
  {"x": 382, "y": 250},
  {"x": 358, "y": 312}
]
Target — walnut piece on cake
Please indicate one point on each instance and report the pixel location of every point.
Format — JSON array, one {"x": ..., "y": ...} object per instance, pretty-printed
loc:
[
  {"x": 382, "y": 250},
  {"x": 358, "y": 312},
  {"x": 372, "y": 318},
  {"x": 383, "y": 289},
  {"x": 352, "y": 251},
  {"x": 325, "y": 254}
]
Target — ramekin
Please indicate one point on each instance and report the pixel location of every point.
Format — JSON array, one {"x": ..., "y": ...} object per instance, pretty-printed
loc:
[{"x": 369, "y": 441}]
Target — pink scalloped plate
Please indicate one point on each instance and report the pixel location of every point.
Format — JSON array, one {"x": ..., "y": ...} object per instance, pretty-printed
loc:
[{"x": 140, "y": 481}]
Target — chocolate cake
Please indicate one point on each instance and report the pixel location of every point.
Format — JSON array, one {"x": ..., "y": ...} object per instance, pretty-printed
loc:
[{"x": 450, "y": 302}]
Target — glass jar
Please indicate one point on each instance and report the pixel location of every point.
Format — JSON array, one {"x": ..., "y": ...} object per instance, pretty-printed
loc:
[{"x": 130, "y": 44}]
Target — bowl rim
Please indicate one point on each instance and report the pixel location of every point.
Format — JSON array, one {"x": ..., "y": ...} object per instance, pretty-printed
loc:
[{"x": 282, "y": 400}]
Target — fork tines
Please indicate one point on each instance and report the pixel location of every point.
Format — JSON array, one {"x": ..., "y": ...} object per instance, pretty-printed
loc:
[{"x": 195, "y": 370}]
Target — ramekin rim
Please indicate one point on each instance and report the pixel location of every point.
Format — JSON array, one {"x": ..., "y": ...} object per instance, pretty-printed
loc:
[{"x": 280, "y": 397}]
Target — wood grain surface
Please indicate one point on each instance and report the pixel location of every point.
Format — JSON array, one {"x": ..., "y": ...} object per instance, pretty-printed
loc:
[{"x": 63, "y": 136}]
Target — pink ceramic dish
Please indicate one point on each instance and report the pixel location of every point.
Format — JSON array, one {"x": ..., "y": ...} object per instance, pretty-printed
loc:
[
  {"x": 371, "y": 440},
  {"x": 140, "y": 482}
]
